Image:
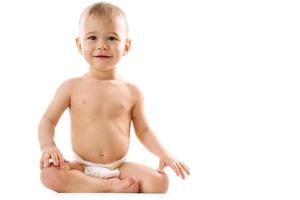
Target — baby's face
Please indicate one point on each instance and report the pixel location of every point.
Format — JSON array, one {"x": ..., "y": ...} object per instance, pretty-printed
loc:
[{"x": 103, "y": 44}]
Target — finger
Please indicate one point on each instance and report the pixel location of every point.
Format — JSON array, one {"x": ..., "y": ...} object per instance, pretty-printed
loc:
[
  {"x": 46, "y": 161},
  {"x": 185, "y": 167},
  {"x": 174, "y": 168},
  {"x": 180, "y": 170},
  {"x": 161, "y": 171},
  {"x": 61, "y": 160},
  {"x": 41, "y": 163},
  {"x": 54, "y": 158},
  {"x": 161, "y": 166}
]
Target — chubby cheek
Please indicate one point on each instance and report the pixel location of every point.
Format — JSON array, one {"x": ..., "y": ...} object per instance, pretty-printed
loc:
[
  {"x": 119, "y": 53},
  {"x": 120, "y": 50},
  {"x": 87, "y": 56},
  {"x": 87, "y": 52}
]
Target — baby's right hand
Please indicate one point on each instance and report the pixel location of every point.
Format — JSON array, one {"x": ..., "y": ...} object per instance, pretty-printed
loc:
[{"x": 54, "y": 154}]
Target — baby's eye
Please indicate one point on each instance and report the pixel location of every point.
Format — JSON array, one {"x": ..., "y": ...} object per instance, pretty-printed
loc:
[
  {"x": 111, "y": 38},
  {"x": 92, "y": 37}
]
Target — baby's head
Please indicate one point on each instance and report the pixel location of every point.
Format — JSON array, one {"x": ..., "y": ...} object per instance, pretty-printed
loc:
[
  {"x": 103, "y": 11},
  {"x": 103, "y": 35}
]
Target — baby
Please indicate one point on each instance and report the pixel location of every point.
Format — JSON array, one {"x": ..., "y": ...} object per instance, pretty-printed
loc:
[{"x": 102, "y": 107}]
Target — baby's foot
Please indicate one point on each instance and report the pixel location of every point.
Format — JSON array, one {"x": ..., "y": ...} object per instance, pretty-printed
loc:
[{"x": 127, "y": 185}]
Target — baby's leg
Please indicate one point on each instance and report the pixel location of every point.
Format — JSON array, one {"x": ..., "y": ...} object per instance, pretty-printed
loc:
[
  {"x": 72, "y": 179},
  {"x": 150, "y": 180},
  {"x": 74, "y": 165}
]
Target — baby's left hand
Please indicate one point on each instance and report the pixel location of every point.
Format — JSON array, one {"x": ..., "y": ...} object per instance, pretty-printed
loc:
[{"x": 178, "y": 167}]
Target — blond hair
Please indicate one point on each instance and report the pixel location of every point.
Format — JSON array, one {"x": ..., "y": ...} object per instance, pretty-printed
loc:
[{"x": 104, "y": 11}]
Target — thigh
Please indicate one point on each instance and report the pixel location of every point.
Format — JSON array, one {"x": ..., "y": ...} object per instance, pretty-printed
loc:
[{"x": 146, "y": 176}]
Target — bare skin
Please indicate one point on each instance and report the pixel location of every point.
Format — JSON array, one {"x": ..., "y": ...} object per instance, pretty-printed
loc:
[{"x": 102, "y": 107}]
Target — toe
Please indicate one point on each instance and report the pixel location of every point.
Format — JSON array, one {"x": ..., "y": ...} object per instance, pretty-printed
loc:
[{"x": 135, "y": 184}]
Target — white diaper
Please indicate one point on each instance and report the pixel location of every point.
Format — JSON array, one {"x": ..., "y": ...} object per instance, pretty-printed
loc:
[{"x": 108, "y": 170}]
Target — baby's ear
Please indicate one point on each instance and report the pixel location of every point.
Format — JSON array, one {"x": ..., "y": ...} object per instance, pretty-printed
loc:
[
  {"x": 127, "y": 47},
  {"x": 78, "y": 43}
]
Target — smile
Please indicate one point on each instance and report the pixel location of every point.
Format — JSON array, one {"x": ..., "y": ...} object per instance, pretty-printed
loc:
[{"x": 102, "y": 56}]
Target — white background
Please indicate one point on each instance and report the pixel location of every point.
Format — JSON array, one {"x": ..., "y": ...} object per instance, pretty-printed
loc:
[{"x": 220, "y": 80}]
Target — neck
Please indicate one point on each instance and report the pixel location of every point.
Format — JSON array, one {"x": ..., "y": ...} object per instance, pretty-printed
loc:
[{"x": 103, "y": 75}]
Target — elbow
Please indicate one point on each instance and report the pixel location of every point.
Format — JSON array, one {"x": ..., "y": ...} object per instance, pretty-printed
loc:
[
  {"x": 141, "y": 133},
  {"x": 46, "y": 120},
  {"x": 45, "y": 125}
]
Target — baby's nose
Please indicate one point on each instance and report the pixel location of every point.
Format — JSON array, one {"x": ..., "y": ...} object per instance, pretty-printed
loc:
[{"x": 102, "y": 46}]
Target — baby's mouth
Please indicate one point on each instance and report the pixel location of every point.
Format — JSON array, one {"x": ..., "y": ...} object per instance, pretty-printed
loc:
[{"x": 102, "y": 56}]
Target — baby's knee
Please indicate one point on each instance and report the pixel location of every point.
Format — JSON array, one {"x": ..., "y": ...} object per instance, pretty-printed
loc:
[
  {"x": 160, "y": 183},
  {"x": 52, "y": 178}
]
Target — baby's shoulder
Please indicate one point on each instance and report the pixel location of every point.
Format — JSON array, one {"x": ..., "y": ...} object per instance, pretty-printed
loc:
[
  {"x": 131, "y": 86},
  {"x": 70, "y": 83},
  {"x": 135, "y": 90}
]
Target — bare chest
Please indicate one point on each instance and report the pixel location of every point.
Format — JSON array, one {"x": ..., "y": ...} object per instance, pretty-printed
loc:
[{"x": 102, "y": 100}]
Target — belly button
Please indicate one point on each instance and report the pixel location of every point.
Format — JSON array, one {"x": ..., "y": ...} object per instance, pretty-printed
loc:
[{"x": 101, "y": 154}]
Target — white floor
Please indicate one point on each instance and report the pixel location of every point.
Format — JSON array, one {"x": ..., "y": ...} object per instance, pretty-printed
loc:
[{"x": 109, "y": 196}]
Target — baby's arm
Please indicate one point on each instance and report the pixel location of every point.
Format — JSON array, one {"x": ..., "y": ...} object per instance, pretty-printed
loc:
[
  {"x": 46, "y": 130},
  {"x": 149, "y": 139}
]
